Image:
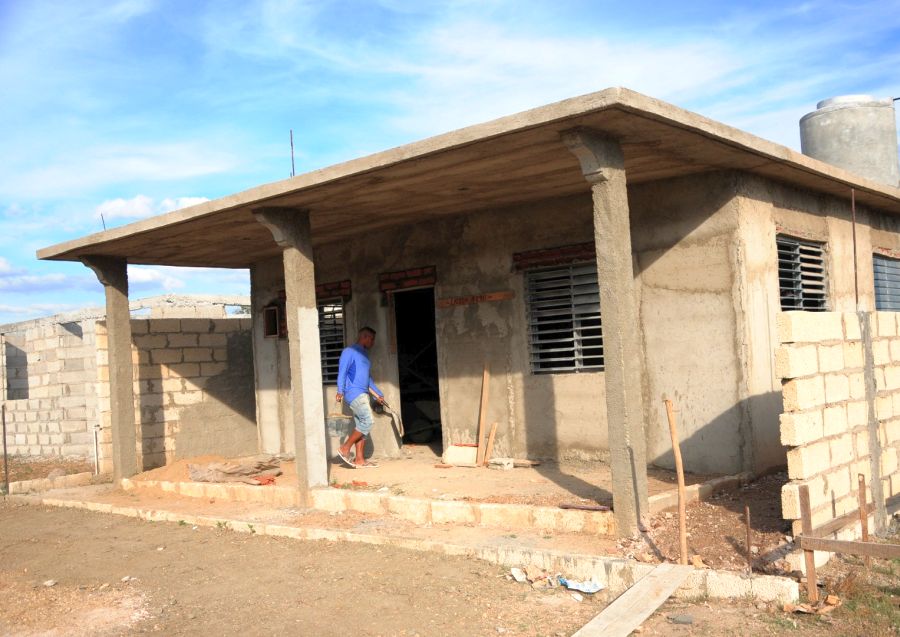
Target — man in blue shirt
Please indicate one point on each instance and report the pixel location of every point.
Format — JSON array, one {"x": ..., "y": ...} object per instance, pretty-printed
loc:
[{"x": 354, "y": 384}]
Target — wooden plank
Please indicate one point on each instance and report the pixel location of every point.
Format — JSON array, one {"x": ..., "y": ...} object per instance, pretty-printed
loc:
[
  {"x": 679, "y": 470},
  {"x": 490, "y": 444},
  {"x": 485, "y": 378},
  {"x": 635, "y": 605},
  {"x": 812, "y": 588},
  {"x": 883, "y": 551},
  {"x": 863, "y": 516},
  {"x": 839, "y": 523}
]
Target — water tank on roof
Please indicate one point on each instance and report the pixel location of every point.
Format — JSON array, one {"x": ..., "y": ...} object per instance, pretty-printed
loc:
[{"x": 854, "y": 132}]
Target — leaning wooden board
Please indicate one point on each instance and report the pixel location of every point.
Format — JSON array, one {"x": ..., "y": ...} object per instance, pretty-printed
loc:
[{"x": 635, "y": 605}]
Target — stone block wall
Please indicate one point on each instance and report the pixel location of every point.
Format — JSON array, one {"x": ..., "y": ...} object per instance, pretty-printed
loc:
[
  {"x": 48, "y": 376},
  {"x": 193, "y": 388},
  {"x": 841, "y": 391}
]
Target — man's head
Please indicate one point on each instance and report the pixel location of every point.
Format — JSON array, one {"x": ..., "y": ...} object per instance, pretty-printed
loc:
[{"x": 366, "y": 337}]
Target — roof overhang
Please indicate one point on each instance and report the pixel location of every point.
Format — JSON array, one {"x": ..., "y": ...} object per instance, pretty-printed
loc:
[{"x": 504, "y": 162}]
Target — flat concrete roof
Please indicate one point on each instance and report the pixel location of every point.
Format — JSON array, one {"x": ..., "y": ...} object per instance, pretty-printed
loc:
[{"x": 507, "y": 161}]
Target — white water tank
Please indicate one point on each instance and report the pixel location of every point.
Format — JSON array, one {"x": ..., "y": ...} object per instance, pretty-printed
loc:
[{"x": 854, "y": 132}]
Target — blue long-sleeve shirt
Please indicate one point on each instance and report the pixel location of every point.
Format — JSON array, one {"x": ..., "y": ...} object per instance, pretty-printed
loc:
[{"x": 353, "y": 373}]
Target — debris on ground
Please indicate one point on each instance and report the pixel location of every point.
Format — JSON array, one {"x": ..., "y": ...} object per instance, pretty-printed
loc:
[{"x": 256, "y": 470}]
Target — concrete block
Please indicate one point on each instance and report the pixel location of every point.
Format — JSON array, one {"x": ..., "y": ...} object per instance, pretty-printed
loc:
[
  {"x": 881, "y": 352},
  {"x": 894, "y": 347},
  {"x": 197, "y": 326},
  {"x": 412, "y": 509},
  {"x": 508, "y": 516},
  {"x": 181, "y": 340},
  {"x": 837, "y": 388},
  {"x": 886, "y": 324},
  {"x": 838, "y": 484},
  {"x": 884, "y": 407},
  {"x": 800, "y": 428},
  {"x": 226, "y": 325},
  {"x": 807, "y": 461},
  {"x": 198, "y": 355},
  {"x": 183, "y": 370},
  {"x": 831, "y": 357},
  {"x": 212, "y": 340},
  {"x": 149, "y": 372},
  {"x": 571, "y": 521},
  {"x": 164, "y": 326},
  {"x": 329, "y": 499},
  {"x": 212, "y": 369},
  {"x": 166, "y": 356},
  {"x": 150, "y": 341},
  {"x": 891, "y": 430},
  {"x": 366, "y": 502},
  {"x": 803, "y": 393},
  {"x": 892, "y": 377},
  {"x": 857, "y": 385},
  {"x": 140, "y": 326},
  {"x": 888, "y": 461},
  {"x": 878, "y": 374},
  {"x": 835, "y": 419},
  {"x": 841, "y": 449},
  {"x": 809, "y": 327},
  {"x": 857, "y": 414},
  {"x": 795, "y": 361},
  {"x": 220, "y": 354},
  {"x": 452, "y": 512}
]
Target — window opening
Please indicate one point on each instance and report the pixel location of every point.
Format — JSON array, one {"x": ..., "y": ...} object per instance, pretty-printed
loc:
[
  {"x": 887, "y": 283},
  {"x": 331, "y": 337},
  {"x": 564, "y": 325},
  {"x": 801, "y": 274}
]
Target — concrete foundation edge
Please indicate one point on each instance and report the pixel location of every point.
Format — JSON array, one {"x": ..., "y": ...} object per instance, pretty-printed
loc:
[{"x": 616, "y": 574}]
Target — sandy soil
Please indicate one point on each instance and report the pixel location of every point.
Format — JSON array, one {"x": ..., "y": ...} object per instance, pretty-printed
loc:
[
  {"x": 26, "y": 468},
  {"x": 208, "y": 581}
]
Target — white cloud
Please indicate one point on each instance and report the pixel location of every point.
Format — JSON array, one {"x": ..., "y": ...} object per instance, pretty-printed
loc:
[
  {"x": 144, "y": 278},
  {"x": 34, "y": 310},
  {"x": 141, "y": 206}
]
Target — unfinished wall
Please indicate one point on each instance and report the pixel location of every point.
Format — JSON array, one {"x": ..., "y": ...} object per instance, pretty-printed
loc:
[
  {"x": 193, "y": 389},
  {"x": 683, "y": 234},
  {"x": 538, "y": 415},
  {"x": 835, "y": 428},
  {"x": 48, "y": 374}
]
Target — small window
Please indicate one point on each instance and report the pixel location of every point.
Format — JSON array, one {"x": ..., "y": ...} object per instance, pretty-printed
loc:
[
  {"x": 331, "y": 337},
  {"x": 564, "y": 326},
  {"x": 887, "y": 283},
  {"x": 801, "y": 274}
]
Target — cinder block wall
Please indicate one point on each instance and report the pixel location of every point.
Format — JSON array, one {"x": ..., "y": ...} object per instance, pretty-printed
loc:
[
  {"x": 822, "y": 361},
  {"x": 48, "y": 375},
  {"x": 193, "y": 388}
]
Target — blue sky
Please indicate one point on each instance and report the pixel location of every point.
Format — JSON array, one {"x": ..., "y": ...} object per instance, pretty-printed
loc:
[{"x": 131, "y": 108}]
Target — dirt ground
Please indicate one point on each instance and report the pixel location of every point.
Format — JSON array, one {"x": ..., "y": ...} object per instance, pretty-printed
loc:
[
  {"x": 27, "y": 468},
  {"x": 119, "y": 576}
]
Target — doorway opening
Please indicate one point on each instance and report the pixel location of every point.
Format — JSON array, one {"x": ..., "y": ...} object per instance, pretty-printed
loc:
[{"x": 420, "y": 405}]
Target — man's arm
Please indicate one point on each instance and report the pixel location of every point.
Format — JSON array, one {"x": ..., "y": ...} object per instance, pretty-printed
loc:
[{"x": 343, "y": 365}]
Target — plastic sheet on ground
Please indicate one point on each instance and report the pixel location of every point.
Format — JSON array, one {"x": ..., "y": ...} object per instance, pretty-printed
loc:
[{"x": 245, "y": 471}]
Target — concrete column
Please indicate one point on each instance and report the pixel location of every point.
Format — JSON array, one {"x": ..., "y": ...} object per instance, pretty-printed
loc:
[
  {"x": 603, "y": 166},
  {"x": 290, "y": 227},
  {"x": 113, "y": 274}
]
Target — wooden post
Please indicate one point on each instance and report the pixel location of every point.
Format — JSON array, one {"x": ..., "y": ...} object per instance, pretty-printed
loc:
[
  {"x": 485, "y": 378},
  {"x": 490, "y": 444},
  {"x": 812, "y": 589},
  {"x": 749, "y": 539},
  {"x": 863, "y": 515},
  {"x": 679, "y": 469}
]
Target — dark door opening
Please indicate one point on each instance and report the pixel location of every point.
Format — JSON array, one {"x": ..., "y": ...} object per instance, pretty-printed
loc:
[{"x": 420, "y": 405}]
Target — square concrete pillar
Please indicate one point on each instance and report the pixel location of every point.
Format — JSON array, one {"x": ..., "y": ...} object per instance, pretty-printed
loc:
[
  {"x": 113, "y": 274},
  {"x": 290, "y": 228},
  {"x": 602, "y": 164}
]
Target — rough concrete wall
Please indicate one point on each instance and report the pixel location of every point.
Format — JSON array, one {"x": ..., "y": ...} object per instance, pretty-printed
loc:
[
  {"x": 765, "y": 209},
  {"x": 272, "y": 369},
  {"x": 538, "y": 416},
  {"x": 829, "y": 417},
  {"x": 683, "y": 235},
  {"x": 193, "y": 389},
  {"x": 48, "y": 382}
]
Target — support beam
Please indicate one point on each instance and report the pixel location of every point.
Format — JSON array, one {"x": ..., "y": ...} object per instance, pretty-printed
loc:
[
  {"x": 113, "y": 274},
  {"x": 603, "y": 166},
  {"x": 290, "y": 228}
]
